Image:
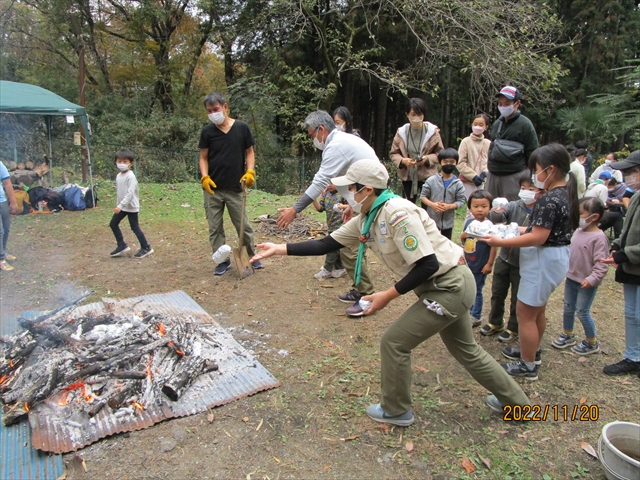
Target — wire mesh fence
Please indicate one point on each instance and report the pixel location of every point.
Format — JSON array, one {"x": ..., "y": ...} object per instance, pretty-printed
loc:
[{"x": 277, "y": 174}]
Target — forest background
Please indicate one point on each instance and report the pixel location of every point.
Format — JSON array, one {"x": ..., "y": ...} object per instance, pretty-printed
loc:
[{"x": 149, "y": 64}]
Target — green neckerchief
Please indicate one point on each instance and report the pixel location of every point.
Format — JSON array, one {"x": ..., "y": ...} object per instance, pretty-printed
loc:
[{"x": 366, "y": 226}]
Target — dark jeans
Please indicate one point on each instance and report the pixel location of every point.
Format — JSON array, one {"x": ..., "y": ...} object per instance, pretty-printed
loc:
[
  {"x": 476, "y": 309},
  {"x": 504, "y": 275},
  {"x": 133, "y": 223}
]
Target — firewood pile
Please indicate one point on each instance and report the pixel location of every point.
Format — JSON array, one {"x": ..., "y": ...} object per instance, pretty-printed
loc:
[
  {"x": 302, "y": 227},
  {"x": 27, "y": 173},
  {"x": 90, "y": 362}
]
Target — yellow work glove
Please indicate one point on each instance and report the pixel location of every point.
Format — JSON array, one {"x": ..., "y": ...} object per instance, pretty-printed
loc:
[
  {"x": 249, "y": 178},
  {"x": 207, "y": 184}
]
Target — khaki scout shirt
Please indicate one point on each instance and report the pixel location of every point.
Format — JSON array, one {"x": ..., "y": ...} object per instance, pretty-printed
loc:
[{"x": 401, "y": 234}]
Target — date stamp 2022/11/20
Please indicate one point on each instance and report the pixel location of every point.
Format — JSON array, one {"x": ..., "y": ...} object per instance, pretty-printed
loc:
[{"x": 557, "y": 413}]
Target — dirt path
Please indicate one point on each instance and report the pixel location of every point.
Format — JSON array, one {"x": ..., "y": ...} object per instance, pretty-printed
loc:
[{"x": 313, "y": 426}]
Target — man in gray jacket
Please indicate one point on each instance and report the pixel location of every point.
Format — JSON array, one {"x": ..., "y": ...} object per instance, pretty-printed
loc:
[{"x": 339, "y": 151}]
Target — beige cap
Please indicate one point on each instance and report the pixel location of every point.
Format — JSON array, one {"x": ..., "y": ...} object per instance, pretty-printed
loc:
[{"x": 371, "y": 173}]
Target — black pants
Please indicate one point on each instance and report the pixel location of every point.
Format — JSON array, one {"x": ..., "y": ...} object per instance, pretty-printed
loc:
[
  {"x": 133, "y": 223},
  {"x": 447, "y": 232},
  {"x": 613, "y": 219},
  {"x": 406, "y": 191}
]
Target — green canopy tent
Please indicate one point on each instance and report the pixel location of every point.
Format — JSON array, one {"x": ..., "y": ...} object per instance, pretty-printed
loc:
[{"x": 25, "y": 99}]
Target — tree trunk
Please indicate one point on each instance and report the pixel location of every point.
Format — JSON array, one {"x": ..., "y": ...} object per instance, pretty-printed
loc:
[{"x": 380, "y": 122}]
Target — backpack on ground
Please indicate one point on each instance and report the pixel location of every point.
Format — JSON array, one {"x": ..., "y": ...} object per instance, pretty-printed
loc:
[
  {"x": 22, "y": 199},
  {"x": 74, "y": 199},
  {"x": 37, "y": 194},
  {"x": 91, "y": 198}
]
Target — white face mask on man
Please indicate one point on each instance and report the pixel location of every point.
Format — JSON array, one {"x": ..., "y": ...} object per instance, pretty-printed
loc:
[
  {"x": 507, "y": 111},
  {"x": 216, "y": 117}
]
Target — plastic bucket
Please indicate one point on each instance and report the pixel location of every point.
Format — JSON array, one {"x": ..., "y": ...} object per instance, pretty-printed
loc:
[{"x": 619, "y": 450}]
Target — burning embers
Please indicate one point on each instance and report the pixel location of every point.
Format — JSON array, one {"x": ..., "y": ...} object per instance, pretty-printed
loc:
[{"x": 124, "y": 362}]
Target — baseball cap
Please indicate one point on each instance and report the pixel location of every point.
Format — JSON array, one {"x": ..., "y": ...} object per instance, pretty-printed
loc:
[
  {"x": 509, "y": 92},
  {"x": 366, "y": 172},
  {"x": 633, "y": 160},
  {"x": 605, "y": 176}
]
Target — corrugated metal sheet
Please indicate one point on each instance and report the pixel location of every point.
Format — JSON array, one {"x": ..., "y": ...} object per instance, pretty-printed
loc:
[
  {"x": 59, "y": 429},
  {"x": 18, "y": 460}
]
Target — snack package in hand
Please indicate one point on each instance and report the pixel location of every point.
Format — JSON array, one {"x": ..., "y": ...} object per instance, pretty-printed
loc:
[
  {"x": 479, "y": 229},
  {"x": 500, "y": 202}
]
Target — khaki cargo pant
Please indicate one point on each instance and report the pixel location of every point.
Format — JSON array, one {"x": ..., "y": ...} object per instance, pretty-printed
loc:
[
  {"x": 348, "y": 258},
  {"x": 214, "y": 209},
  {"x": 455, "y": 291}
]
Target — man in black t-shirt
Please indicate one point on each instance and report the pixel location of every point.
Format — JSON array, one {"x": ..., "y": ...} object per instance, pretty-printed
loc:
[{"x": 226, "y": 149}]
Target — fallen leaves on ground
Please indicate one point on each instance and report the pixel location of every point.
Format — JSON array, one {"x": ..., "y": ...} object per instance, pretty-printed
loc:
[
  {"x": 409, "y": 446},
  {"x": 486, "y": 461},
  {"x": 210, "y": 417},
  {"x": 348, "y": 439},
  {"x": 589, "y": 449},
  {"x": 420, "y": 369},
  {"x": 384, "y": 427},
  {"x": 245, "y": 419},
  {"x": 468, "y": 465},
  {"x": 583, "y": 400}
]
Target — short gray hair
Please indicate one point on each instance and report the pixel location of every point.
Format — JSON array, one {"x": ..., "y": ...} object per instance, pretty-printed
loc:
[
  {"x": 317, "y": 118},
  {"x": 214, "y": 98}
]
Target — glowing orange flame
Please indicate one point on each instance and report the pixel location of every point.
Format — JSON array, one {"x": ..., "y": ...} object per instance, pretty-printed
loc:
[
  {"x": 138, "y": 406},
  {"x": 148, "y": 369},
  {"x": 180, "y": 352},
  {"x": 26, "y": 407},
  {"x": 75, "y": 386},
  {"x": 161, "y": 329},
  {"x": 65, "y": 399},
  {"x": 3, "y": 378},
  {"x": 88, "y": 394},
  {"x": 11, "y": 363}
]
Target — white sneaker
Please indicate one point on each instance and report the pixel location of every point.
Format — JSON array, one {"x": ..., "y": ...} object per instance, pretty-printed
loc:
[
  {"x": 323, "y": 273},
  {"x": 341, "y": 272}
]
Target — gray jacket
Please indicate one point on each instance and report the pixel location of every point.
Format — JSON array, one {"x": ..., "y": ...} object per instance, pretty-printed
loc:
[
  {"x": 516, "y": 211},
  {"x": 434, "y": 190},
  {"x": 631, "y": 236}
]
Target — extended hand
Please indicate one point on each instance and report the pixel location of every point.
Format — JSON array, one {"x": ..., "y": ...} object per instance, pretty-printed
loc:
[
  {"x": 491, "y": 240},
  {"x": 286, "y": 217},
  {"x": 13, "y": 208},
  {"x": 269, "y": 249},
  {"x": 378, "y": 301},
  {"x": 249, "y": 178},
  {"x": 486, "y": 270},
  {"x": 609, "y": 261},
  {"x": 207, "y": 184}
]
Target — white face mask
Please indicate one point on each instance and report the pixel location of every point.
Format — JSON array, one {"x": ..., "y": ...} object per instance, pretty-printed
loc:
[
  {"x": 632, "y": 180},
  {"x": 506, "y": 111},
  {"x": 216, "y": 117},
  {"x": 318, "y": 144},
  {"x": 584, "y": 223},
  {"x": 341, "y": 128},
  {"x": 537, "y": 182},
  {"x": 607, "y": 162},
  {"x": 348, "y": 196},
  {"x": 357, "y": 206},
  {"x": 416, "y": 122},
  {"x": 527, "y": 196},
  {"x": 122, "y": 166},
  {"x": 477, "y": 130}
]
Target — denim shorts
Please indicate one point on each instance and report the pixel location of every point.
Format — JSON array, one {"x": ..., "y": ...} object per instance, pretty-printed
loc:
[{"x": 542, "y": 269}]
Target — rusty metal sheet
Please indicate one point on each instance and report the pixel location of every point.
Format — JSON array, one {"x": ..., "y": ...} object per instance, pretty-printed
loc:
[{"x": 240, "y": 375}]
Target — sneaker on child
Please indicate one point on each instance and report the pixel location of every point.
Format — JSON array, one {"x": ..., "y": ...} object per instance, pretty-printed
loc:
[
  {"x": 12, "y": 258},
  {"x": 5, "y": 266},
  {"x": 144, "y": 252},
  {"x": 120, "y": 251},
  {"x": 257, "y": 265},
  {"x": 355, "y": 310},
  {"x": 513, "y": 353},
  {"x": 323, "y": 273},
  {"x": 507, "y": 336},
  {"x": 338, "y": 273},
  {"x": 375, "y": 412},
  {"x": 564, "y": 341},
  {"x": 221, "y": 268},
  {"x": 521, "y": 369},
  {"x": 586, "y": 348},
  {"x": 491, "y": 329},
  {"x": 349, "y": 297}
]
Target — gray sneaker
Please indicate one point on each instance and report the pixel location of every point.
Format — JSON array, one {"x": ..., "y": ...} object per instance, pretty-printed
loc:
[
  {"x": 375, "y": 412},
  {"x": 495, "y": 405},
  {"x": 564, "y": 341},
  {"x": 513, "y": 353},
  {"x": 585, "y": 348},
  {"x": 520, "y": 369}
]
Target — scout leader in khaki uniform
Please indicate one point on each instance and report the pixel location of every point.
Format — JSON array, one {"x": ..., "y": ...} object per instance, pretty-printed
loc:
[{"x": 407, "y": 241}]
